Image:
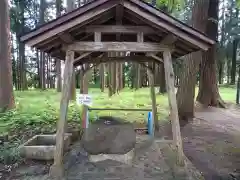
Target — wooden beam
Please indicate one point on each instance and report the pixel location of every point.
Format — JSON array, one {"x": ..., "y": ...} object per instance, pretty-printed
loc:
[
  {"x": 169, "y": 75},
  {"x": 57, "y": 169},
  {"x": 116, "y": 46},
  {"x": 135, "y": 58},
  {"x": 119, "y": 29}
]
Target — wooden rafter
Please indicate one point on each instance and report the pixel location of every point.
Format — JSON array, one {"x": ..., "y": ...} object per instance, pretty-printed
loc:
[{"x": 66, "y": 38}]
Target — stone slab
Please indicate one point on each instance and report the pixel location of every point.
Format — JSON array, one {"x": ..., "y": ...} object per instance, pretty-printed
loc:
[{"x": 123, "y": 158}]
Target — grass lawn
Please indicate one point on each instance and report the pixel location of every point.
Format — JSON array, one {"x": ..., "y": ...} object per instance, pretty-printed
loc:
[{"x": 39, "y": 110}]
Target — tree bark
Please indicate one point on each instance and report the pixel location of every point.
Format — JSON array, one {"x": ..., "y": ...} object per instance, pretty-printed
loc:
[
  {"x": 234, "y": 60},
  {"x": 6, "y": 87},
  {"x": 220, "y": 73},
  {"x": 110, "y": 90},
  {"x": 114, "y": 75},
  {"x": 70, "y": 7},
  {"x": 221, "y": 59},
  {"x": 162, "y": 82},
  {"x": 208, "y": 93},
  {"x": 238, "y": 88},
  {"x": 187, "y": 81},
  {"x": 58, "y": 61},
  {"x": 21, "y": 48},
  {"x": 42, "y": 55},
  {"x": 102, "y": 76},
  {"x": 137, "y": 79},
  {"x": 38, "y": 69},
  {"x": 73, "y": 86}
]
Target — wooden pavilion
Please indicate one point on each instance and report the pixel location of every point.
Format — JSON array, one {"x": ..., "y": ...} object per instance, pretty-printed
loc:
[{"x": 85, "y": 34}]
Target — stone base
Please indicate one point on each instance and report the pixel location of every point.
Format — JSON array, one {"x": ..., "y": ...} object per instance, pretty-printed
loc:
[
  {"x": 42, "y": 147},
  {"x": 123, "y": 158}
]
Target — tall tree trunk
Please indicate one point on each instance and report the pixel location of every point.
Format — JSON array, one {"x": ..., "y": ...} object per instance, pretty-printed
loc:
[
  {"x": 137, "y": 71},
  {"x": 220, "y": 73},
  {"x": 38, "y": 69},
  {"x": 14, "y": 64},
  {"x": 42, "y": 55},
  {"x": 121, "y": 76},
  {"x": 110, "y": 89},
  {"x": 73, "y": 86},
  {"x": 234, "y": 60},
  {"x": 208, "y": 93},
  {"x": 21, "y": 46},
  {"x": 221, "y": 59},
  {"x": 70, "y": 7},
  {"x": 6, "y": 86},
  {"x": 228, "y": 70},
  {"x": 58, "y": 61},
  {"x": 95, "y": 75},
  {"x": 161, "y": 77},
  {"x": 113, "y": 79},
  {"x": 187, "y": 81},
  {"x": 18, "y": 70},
  {"x": 102, "y": 76},
  {"x": 59, "y": 75},
  {"x": 42, "y": 71}
]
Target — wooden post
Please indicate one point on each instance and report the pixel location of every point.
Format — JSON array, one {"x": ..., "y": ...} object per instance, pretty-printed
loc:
[
  {"x": 153, "y": 98},
  {"x": 169, "y": 75},
  {"x": 56, "y": 171}
]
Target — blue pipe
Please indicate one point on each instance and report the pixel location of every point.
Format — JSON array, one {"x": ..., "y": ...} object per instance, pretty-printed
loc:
[{"x": 150, "y": 124}]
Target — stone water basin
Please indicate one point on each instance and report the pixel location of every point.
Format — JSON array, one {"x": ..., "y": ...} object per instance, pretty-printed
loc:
[{"x": 42, "y": 147}]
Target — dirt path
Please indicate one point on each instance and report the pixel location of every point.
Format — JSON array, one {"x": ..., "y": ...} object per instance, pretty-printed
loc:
[{"x": 212, "y": 143}]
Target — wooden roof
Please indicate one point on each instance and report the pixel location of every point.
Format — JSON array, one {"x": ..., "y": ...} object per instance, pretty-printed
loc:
[{"x": 74, "y": 26}]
